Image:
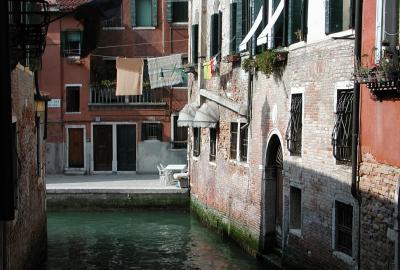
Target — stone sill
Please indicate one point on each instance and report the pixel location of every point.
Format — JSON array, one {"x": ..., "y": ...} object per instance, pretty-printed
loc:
[
  {"x": 344, "y": 257},
  {"x": 295, "y": 232}
]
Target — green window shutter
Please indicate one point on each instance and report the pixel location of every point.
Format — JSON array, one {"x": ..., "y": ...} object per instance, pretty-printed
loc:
[
  {"x": 169, "y": 10},
  {"x": 63, "y": 39},
  {"x": 219, "y": 32},
  {"x": 294, "y": 22},
  {"x": 333, "y": 16},
  {"x": 195, "y": 43},
  {"x": 232, "y": 39},
  {"x": 133, "y": 13},
  {"x": 239, "y": 15},
  {"x": 160, "y": 134},
  {"x": 154, "y": 9},
  {"x": 304, "y": 19},
  {"x": 214, "y": 35}
]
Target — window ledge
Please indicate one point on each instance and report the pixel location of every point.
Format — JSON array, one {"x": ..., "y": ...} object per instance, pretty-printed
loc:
[
  {"x": 180, "y": 87},
  {"x": 213, "y": 164},
  {"x": 295, "y": 232},
  {"x": 151, "y": 140},
  {"x": 114, "y": 28},
  {"x": 297, "y": 45},
  {"x": 178, "y": 24},
  {"x": 177, "y": 149},
  {"x": 195, "y": 158},
  {"x": 240, "y": 163},
  {"x": 144, "y": 28},
  {"x": 344, "y": 257},
  {"x": 345, "y": 33},
  {"x": 72, "y": 113}
]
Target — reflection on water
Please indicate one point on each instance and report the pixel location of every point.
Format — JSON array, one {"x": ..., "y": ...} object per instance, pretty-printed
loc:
[{"x": 138, "y": 240}]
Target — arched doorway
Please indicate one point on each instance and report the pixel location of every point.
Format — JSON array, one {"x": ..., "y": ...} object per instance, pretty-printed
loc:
[{"x": 273, "y": 196}]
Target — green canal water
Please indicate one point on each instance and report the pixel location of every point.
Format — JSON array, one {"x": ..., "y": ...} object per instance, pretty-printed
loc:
[{"x": 138, "y": 240}]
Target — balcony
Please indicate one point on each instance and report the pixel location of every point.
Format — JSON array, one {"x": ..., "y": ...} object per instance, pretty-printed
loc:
[{"x": 105, "y": 96}]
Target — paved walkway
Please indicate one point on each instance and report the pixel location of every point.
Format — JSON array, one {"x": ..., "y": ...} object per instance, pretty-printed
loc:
[{"x": 113, "y": 183}]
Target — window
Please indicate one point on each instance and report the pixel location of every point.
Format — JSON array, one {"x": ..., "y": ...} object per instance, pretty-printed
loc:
[
  {"x": 294, "y": 129},
  {"x": 343, "y": 130},
  {"x": 215, "y": 34},
  {"x": 179, "y": 140},
  {"x": 38, "y": 146},
  {"x": 71, "y": 43},
  {"x": 73, "y": 93},
  {"x": 144, "y": 13},
  {"x": 196, "y": 141},
  {"x": 246, "y": 17},
  {"x": 278, "y": 30},
  {"x": 233, "y": 41},
  {"x": 195, "y": 44},
  {"x": 177, "y": 11},
  {"x": 151, "y": 131},
  {"x": 115, "y": 21},
  {"x": 295, "y": 208},
  {"x": 213, "y": 143},
  {"x": 344, "y": 227},
  {"x": 339, "y": 15},
  {"x": 239, "y": 141},
  {"x": 297, "y": 24},
  {"x": 180, "y": 12},
  {"x": 103, "y": 71}
]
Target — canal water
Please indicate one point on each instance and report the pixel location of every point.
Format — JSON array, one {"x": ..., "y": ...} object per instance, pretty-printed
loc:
[{"x": 138, "y": 240}]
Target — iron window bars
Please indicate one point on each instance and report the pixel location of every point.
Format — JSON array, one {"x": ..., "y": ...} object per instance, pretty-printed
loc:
[
  {"x": 294, "y": 129},
  {"x": 234, "y": 134},
  {"x": 344, "y": 227},
  {"x": 342, "y": 131},
  {"x": 29, "y": 20},
  {"x": 243, "y": 141}
]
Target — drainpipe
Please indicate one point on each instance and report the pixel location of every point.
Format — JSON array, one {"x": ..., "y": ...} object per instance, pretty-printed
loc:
[
  {"x": 250, "y": 81},
  {"x": 356, "y": 114}
]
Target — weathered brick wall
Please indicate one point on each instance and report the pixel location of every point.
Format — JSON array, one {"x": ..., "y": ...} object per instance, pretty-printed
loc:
[
  {"x": 379, "y": 184},
  {"x": 26, "y": 235},
  {"x": 234, "y": 190}
]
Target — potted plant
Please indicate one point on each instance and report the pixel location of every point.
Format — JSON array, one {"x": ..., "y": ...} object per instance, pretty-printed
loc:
[
  {"x": 233, "y": 57},
  {"x": 249, "y": 64}
]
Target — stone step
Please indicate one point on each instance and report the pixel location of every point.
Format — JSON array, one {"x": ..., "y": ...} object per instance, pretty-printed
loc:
[{"x": 272, "y": 260}]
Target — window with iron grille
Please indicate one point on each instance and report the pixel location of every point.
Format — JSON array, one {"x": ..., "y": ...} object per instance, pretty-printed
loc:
[
  {"x": 344, "y": 228},
  {"x": 342, "y": 131},
  {"x": 73, "y": 98},
  {"x": 151, "y": 131},
  {"x": 180, "y": 11},
  {"x": 115, "y": 21},
  {"x": 234, "y": 137},
  {"x": 196, "y": 141},
  {"x": 243, "y": 141},
  {"x": 71, "y": 43},
  {"x": 294, "y": 129},
  {"x": 213, "y": 143},
  {"x": 179, "y": 140}
]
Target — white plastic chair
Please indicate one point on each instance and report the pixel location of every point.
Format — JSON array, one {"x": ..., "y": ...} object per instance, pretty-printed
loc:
[{"x": 161, "y": 172}]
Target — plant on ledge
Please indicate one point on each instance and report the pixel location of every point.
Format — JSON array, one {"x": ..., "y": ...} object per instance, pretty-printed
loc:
[
  {"x": 232, "y": 57},
  {"x": 268, "y": 62}
]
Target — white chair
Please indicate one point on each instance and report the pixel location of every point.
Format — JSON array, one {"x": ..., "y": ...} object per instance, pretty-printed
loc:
[{"x": 161, "y": 172}]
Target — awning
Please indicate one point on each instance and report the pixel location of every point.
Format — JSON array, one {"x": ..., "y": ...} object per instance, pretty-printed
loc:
[
  {"x": 129, "y": 76},
  {"x": 253, "y": 29},
  {"x": 266, "y": 32},
  {"x": 186, "y": 115},
  {"x": 165, "y": 71},
  {"x": 207, "y": 116}
]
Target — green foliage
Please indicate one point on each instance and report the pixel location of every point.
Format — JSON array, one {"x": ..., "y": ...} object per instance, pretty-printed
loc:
[{"x": 268, "y": 62}]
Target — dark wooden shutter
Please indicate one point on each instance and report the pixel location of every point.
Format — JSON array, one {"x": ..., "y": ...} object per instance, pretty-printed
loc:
[
  {"x": 333, "y": 16},
  {"x": 295, "y": 20},
  {"x": 239, "y": 15},
  {"x": 214, "y": 35},
  {"x": 154, "y": 12},
  {"x": 133, "y": 13},
  {"x": 232, "y": 37},
  {"x": 160, "y": 133},
  {"x": 304, "y": 19},
  {"x": 195, "y": 43},
  {"x": 219, "y": 31},
  {"x": 169, "y": 10}
]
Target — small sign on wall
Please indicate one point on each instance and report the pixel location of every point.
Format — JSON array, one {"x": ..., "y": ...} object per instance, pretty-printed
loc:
[{"x": 54, "y": 103}]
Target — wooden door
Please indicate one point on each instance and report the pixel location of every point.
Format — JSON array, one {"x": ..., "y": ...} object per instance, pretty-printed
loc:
[
  {"x": 126, "y": 147},
  {"x": 279, "y": 207},
  {"x": 75, "y": 148},
  {"x": 102, "y": 147}
]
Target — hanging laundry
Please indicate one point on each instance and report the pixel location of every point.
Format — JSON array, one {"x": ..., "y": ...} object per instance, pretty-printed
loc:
[
  {"x": 165, "y": 71},
  {"x": 207, "y": 70},
  {"x": 129, "y": 76}
]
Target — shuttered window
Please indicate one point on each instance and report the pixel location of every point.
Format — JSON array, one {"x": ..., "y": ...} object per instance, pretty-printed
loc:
[
  {"x": 196, "y": 141},
  {"x": 214, "y": 34},
  {"x": 297, "y": 23},
  {"x": 233, "y": 23},
  {"x": 195, "y": 43},
  {"x": 234, "y": 138},
  {"x": 144, "y": 13},
  {"x": 339, "y": 15},
  {"x": 213, "y": 144}
]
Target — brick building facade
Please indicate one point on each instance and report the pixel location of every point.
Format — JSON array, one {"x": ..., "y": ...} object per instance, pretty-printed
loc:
[
  {"x": 280, "y": 181},
  {"x": 85, "y": 106}
]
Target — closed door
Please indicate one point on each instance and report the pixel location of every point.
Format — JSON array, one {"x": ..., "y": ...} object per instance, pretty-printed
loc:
[
  {"x": 102, "y": 147},
  {"x": 126, "y": 147},
  {"x": 75, "y": 148},
  {"x": 279, "y": 207}
]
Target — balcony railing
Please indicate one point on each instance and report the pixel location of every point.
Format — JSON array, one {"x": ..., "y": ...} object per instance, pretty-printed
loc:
[{"x": 101, "y": 95}]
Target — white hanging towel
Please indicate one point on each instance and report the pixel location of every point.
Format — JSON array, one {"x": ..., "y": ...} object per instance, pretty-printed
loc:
[
  {"x": 165, "y": 71},
  {"x": 129, "y": 76}
]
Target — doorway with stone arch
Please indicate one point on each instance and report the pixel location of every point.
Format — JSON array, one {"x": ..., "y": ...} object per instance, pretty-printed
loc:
[{"x": 272, "y": 208}]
